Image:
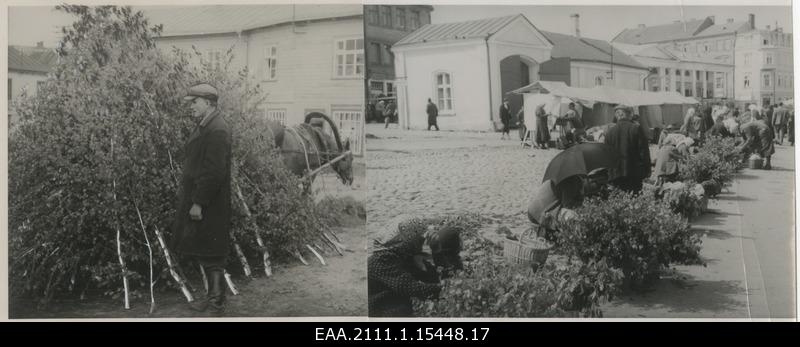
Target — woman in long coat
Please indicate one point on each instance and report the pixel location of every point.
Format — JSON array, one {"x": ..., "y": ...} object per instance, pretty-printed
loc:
[{"x": 542, "y": 130}]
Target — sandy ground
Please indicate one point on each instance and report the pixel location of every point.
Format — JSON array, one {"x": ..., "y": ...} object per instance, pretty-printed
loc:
[
  {"x": 294, "y": 290},
  {"x": 749, "y": 254}
]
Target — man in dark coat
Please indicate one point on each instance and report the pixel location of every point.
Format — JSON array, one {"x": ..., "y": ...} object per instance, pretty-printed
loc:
[
  {"x": 433, "y": 112},
  {"x": 203, "y": 220},
  {"x": 505, "y": 118},
  {"x": 630, "y": 142}
]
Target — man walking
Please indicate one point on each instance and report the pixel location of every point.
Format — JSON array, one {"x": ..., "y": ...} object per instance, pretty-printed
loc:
[
  {"x": 203, "y": 218},
  {"x": 630, "y": 142},
  {"x": 433, "y": 112},
  {"x": 505, "y": 118},
  {"x": 780, "y": 123}
]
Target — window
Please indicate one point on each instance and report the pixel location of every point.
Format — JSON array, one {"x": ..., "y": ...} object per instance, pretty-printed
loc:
[
  {"x": 415, "y": 21},
  {"x": 686, "y": 73},
  {"x": 720, "y": 45},
  {"x": 706, "y": 47},
  {"x": 39, "y": 85},
  {"x": 718, "y": 82},
  {"x": 214, "y": 59},
  {"x": 766, "y": 42},
  {"x": 270, "y": 63},
  {"x": 349, "y": 58},
  {"x": 747, "y": 59},
  {"x": 372, "y": 15},
  {"x": 747, "y": 80},
  {"x": 278, "y": 115},
  {"x": 780, "y": 80},
  {"x": 374, "y": 53},
  {"x": 386, "y": 16},
  {"x": 768, "y": 58},
  {"x": 598, "y": 81},
  {"x": 677, "y": 72},
  {"x": 727, "y": 45},
  {"x": 766, "y": 80},
  {"x": 400, "y": 15},
  {"x": 389, "y": 89},
  {"x": 386, "y": 55},
  {"x": 444, "y": 91},
  {"x": 666, "y": 71},
  {"x": 678, "y": 87}
]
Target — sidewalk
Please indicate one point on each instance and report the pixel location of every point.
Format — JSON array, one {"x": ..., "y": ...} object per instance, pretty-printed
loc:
[{"x": 748, "y": 242}]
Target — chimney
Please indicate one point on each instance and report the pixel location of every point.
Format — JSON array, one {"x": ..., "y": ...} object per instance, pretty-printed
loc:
[
  {"x": 768, "y": 28},
  {"x": 641, "y": 26},
  {"x": 40, "y": 44},
  {"x": 577, "y": 18},
  {"x": 712, "y": 19},
  {"x": 752, "y": 19},
  {"x": 730, "y": 20}
]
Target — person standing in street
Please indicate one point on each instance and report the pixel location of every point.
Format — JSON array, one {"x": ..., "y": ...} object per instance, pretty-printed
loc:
[
  {"x": 780, "y": 121},
  {"x": 521, "y": 123},
  {"x": 505, "y": 118},
  {"x": 577, "y": 129},
  {"x": 693, "y": 125},
  {"x": 707, "y": 115},
  {"x": 433, "y": 112},
  {"x": 542, "y": 130},
  {"x": 630, "y": 142},
  {"x": 203, "y": 221},
  {"x": 389, "y": 112}
]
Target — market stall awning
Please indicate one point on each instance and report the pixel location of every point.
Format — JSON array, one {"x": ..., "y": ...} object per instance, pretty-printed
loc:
[{"x": 605, "y": 94}]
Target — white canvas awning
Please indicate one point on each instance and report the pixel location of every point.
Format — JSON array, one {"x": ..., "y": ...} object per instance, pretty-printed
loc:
[{"x": 605, "y": 94}]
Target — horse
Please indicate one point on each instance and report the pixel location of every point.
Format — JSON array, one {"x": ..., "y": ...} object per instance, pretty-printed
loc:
[{"x": 306, "y": 147}]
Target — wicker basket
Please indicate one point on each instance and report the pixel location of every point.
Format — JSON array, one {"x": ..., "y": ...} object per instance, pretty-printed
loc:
[
  {"x": 755, "y": 163},
  {"x": 527, "y": 251}
]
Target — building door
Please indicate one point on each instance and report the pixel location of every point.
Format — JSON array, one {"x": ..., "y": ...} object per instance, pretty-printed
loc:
[
  {"x": 351, "y": 127},
  {"x": 514, "y": 74}
]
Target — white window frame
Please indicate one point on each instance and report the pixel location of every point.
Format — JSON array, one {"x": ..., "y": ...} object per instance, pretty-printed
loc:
[
  {"x": 727, "y": 45},
  {"x": 765, "y": 78},
  {"x": 276, "y": 114},
  {"x": 344, "y": 53},
  {"x": 746, "y": 80},
  {"x": 768, "y": 58},
  {"x": 747, "y": 57},
  {"x": 598, "y": 80},
  {"x": 271, "y": 63},
  {"x": 356, "y": 134},
  {"x": 442, "y": 103}
]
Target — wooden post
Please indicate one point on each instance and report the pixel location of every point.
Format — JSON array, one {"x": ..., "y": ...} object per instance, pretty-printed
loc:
[{"x": 319, "y": 256}]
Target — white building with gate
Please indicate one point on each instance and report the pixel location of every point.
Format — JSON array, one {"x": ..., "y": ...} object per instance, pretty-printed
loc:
[
  {"x": 461, "y": 67},
  {"x": 306, "y": 58}
]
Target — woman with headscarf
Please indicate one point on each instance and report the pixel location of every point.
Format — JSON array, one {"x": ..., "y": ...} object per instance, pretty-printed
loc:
[
  {"x": 693, "y": 125},
  {"x": 542, "y": 130},
  {"x": 399, "y": 270},
  {"x": 674, "y": 148}
]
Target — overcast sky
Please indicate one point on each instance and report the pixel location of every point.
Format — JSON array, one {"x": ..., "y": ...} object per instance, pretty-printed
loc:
[
  {"x": 605, "y": 22},
  {"x": 28, "y": 25}
]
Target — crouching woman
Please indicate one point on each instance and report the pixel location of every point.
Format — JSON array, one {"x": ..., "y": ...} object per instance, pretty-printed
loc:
[{"x": 399, "y": 268}]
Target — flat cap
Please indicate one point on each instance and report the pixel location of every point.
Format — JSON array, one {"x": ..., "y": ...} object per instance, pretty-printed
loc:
[
  {"x": 202, "y": 90},
  {"x": 622, "y": 107}
]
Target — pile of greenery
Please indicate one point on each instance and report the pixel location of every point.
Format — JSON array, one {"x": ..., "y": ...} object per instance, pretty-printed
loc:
[
  {"x": 489, "y": 286},
  {"x": 97, "y": 156},
  {"x": 633, "y": 233}
]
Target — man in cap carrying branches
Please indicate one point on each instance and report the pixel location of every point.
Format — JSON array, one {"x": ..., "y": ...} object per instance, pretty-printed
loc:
[
  {"x": 203, "y": 220},
  {"x": 629, "y": 140}
]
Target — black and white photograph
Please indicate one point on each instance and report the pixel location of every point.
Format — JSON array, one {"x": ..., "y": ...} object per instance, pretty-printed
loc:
[
  {"x": 186, "y": 160},
  {"x": 545, "y": 161}
]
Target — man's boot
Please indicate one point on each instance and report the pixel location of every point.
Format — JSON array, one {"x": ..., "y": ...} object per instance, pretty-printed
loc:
[
  {"x": 767, "y": 163},
  {"x": 201, "y": 304},
  {"x": 216, "y": 292}
]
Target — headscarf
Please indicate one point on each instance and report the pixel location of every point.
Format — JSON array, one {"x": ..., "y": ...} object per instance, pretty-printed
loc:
[
  {"x": 540, "y": 110},
  {"x": 401, "y": 235}
]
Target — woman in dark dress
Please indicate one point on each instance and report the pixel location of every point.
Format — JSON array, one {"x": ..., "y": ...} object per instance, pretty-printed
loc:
[{"x": 542, "y": 130}]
